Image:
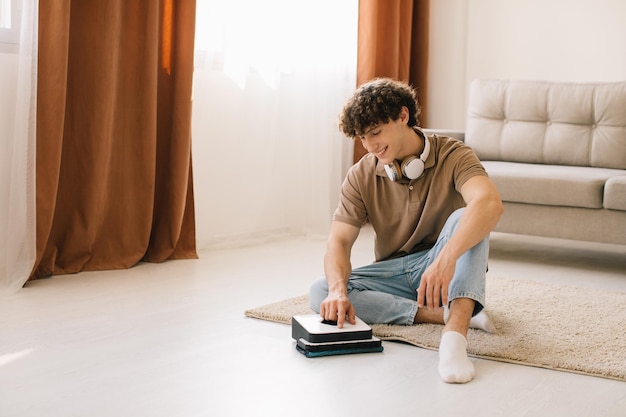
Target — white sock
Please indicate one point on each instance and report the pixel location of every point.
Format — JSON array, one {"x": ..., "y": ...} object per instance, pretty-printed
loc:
[
  {"x": 454, "y": 365},
  {"x": 480, "y": 321}
]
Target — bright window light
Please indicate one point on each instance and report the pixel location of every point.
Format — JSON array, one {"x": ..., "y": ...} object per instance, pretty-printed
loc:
[
  {"x": 268, "y": 38},
  {"x": 5, "y": 14},
  {"x": 10, "y": 14}
]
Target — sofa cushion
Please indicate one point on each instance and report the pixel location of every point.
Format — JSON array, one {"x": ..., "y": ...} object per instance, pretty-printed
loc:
[
  {"x": 548, "y": 122},
  {"x": 552, "y": 185},
  {"x": 615, "y": 193}
]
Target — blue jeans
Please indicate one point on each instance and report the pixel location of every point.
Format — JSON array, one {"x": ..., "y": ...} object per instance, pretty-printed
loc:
[{"x": 386, "y": 291}]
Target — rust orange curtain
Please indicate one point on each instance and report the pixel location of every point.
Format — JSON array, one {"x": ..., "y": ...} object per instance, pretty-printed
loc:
[
  {"x": 393, "y": 42},
  {"x": 114, "y": 174}
]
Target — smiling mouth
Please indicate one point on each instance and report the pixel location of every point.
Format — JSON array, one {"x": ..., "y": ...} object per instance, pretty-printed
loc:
[{"x": 380, "y": 153}]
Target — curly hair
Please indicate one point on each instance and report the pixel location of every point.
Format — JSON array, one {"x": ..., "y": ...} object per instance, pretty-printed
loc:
[{"x": 377, "y": 102}]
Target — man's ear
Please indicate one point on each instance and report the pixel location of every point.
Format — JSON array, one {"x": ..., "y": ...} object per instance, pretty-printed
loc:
[{"x": 404, "y": 115}]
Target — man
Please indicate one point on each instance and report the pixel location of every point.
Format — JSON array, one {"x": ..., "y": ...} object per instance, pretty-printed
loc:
[{"x": 432, "y": 207}]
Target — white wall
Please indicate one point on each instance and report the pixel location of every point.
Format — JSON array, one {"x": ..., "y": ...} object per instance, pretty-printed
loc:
[
  {"x": 446, "y": 64},
  {"x": 556, "y": 40}
]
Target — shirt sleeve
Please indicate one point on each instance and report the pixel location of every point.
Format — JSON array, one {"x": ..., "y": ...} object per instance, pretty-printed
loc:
[
  {"x": 351, "y": 208},
  {"x": 466, "y": 166}
]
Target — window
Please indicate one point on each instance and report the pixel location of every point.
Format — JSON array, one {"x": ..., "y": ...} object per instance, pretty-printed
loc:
[{"x": 9, "y": 25}]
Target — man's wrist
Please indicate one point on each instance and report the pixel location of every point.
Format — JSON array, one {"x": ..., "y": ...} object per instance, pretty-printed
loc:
[
  {"x": 338, "y": 289},
  {"x": 448, "y": 254}
]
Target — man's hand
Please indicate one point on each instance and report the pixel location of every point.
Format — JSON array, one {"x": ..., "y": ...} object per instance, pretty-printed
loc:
[
  {"x": 337, "y": 308},
  {"x": 433, "y": 289},
  {"x": 337, "y": 268}
]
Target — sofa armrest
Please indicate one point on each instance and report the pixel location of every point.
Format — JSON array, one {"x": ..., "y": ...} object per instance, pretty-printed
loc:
[{"x": 456, "y": 134}]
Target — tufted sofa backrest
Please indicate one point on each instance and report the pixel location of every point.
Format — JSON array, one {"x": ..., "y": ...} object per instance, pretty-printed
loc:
[{"x": 548, "y": 122}]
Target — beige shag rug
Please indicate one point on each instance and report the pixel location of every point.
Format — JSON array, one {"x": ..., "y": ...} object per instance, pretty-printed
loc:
[{"x": 564, "y": 328}]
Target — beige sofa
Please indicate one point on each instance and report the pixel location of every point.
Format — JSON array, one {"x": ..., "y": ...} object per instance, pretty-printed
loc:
[{"x": 557, "y": 153}]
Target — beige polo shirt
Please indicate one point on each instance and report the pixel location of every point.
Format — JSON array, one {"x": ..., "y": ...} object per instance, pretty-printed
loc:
[{"x": 408, "y": 215}]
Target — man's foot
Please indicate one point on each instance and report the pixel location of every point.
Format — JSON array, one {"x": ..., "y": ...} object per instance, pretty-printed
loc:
[
  {"x": 480, "y": 321},
  {"x": 454, "y": 365}
]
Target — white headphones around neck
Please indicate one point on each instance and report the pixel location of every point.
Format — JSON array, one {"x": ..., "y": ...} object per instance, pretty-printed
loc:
[{"x": 412, "y": 167}]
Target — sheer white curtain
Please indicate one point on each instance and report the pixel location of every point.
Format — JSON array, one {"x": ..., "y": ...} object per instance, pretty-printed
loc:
[
  {"x": 270, "y": 79},
  {"x": 17, "y": 156}
]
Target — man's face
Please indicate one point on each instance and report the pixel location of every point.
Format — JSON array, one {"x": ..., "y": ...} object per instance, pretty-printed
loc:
[{"x": 385, "y": 140}]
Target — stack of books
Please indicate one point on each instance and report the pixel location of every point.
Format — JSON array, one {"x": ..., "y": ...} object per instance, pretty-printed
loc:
[{"x": 317, "y": 337}]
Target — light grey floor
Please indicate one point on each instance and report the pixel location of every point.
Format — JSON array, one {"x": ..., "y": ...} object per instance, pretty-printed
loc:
[{"x": 171, "y": 340}]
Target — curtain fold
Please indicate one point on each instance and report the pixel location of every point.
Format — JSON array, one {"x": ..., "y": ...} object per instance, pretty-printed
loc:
[
  {"x": 393, "y": 42},
  {"x": 17, "y": 157},
  {"x": 114, "y": 175}
]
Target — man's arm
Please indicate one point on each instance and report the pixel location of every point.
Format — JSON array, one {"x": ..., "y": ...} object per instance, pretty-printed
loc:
[
  {"x": 484, "y": 208},
  {"x": 337, "y": 268}
]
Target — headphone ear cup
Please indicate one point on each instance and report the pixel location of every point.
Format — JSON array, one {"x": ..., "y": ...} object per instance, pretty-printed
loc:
[
  {"x": 412, "y": 167},
  {"x": 393, "y": 171}
]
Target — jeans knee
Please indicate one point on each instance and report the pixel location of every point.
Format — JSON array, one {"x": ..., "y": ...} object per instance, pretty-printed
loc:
[
  {"x": 483, "y": 247},
  {"x": 317, "y": 293},
  {"x": 454, "y": 218},
  {"x": 451, "y": 224}
]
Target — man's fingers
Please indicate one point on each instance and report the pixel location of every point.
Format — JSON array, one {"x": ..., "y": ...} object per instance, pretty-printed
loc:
[
  {"x": 420, "y": 295},
  {"x": 435, "y": 297},
  {"x": 341, "y": 316},
  {"x": 327, "y": 311},
  {"x": 427, "y": 295},
  {"x": 352, "y": 315},
  {"x": 338, "y": 311}
]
